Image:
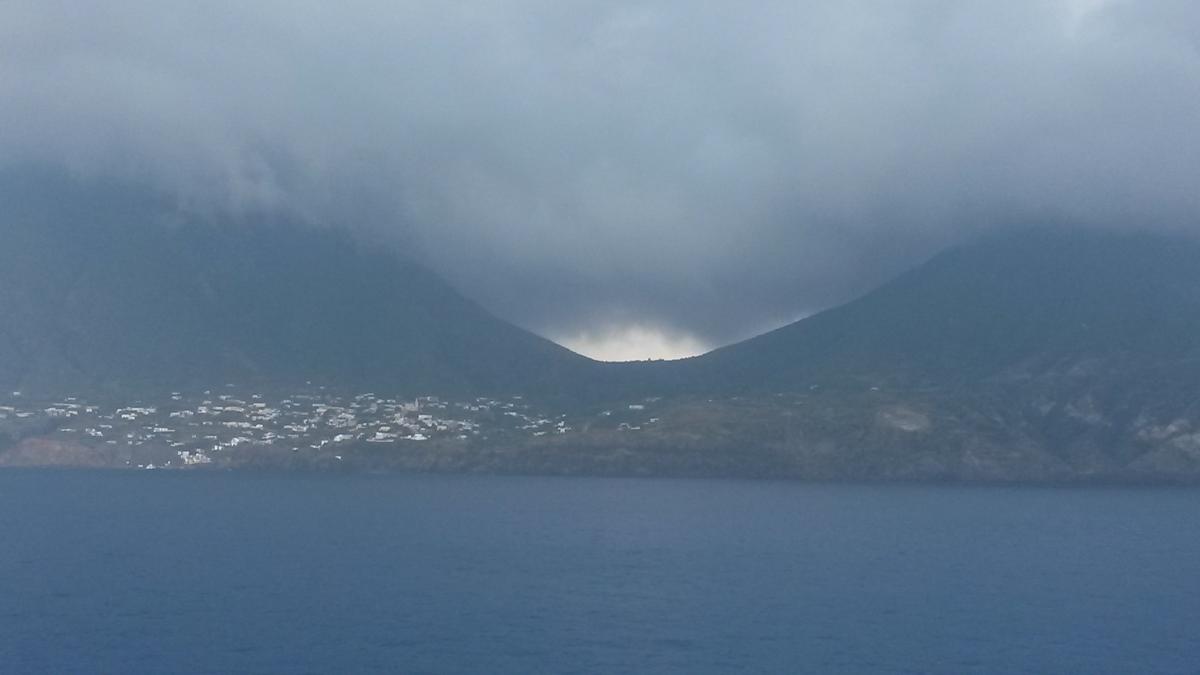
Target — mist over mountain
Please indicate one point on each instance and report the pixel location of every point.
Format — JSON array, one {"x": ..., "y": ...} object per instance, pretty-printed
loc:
[
  {"x": 701, "y": 169},
  {"x": 104, "y": 285}
]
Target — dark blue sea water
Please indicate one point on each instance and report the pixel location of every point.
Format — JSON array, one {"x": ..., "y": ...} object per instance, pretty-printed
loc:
[{"x": 215, "y": 573}]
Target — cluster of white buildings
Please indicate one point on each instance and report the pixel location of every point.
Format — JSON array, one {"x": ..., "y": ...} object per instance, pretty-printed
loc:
[{"x": 194, "y": 430}]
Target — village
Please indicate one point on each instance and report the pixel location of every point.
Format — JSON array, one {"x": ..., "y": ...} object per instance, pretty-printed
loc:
[{"x": 205, "y": 429}]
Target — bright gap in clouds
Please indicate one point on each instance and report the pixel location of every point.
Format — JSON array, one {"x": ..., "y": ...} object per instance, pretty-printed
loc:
[{"x": 633, "y": 343}]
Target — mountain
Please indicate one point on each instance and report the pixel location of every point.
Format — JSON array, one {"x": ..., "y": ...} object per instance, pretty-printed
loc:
[
  {"x": 1005, "y": 308},
  {"x": 106, "y": 288},
  {"x": 1043, "y": 355}
]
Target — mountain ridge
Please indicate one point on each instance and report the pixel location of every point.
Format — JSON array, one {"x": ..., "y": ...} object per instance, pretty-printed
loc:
[{"x": 974, "y": 311}]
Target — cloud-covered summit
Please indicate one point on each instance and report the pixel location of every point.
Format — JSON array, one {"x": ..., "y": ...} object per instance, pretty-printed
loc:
[{"x": 704, "y": 168}]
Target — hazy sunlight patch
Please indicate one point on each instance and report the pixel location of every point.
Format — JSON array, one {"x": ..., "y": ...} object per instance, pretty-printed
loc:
[{"x": 633, "y": 343}]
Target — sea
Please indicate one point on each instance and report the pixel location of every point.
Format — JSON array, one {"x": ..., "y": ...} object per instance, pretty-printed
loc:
[{"x": 209, "y": 572}]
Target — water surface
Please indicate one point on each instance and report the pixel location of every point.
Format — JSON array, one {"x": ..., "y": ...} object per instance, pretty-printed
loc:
[{"x": 219, "y": 572}]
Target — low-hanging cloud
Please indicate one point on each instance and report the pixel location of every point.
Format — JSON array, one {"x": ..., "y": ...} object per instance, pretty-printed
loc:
[{"x": 704, "y": 168}]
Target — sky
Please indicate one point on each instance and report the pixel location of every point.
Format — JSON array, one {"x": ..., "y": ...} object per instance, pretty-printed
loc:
[{"x": 632, "y": 179}]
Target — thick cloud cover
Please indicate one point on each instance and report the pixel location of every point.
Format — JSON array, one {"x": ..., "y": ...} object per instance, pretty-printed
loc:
[{"x": 704, "y": 169}]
